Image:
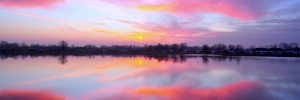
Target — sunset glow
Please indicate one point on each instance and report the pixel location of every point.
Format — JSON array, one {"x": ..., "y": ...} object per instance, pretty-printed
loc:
[
  {"x": 140, "y": 37},
  {"x": 149, "y": 49},
  {"x": 149, "y": 21}
]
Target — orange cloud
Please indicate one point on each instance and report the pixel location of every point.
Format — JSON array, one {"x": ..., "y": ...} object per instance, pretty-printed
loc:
[
  {"x": 29, "y": 95},
  {"x": 29, "y": 3},
  {"x": 151, "y": 8}
]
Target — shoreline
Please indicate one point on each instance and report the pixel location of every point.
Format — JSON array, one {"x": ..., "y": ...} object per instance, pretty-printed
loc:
[{"x": 143, "y": 54}]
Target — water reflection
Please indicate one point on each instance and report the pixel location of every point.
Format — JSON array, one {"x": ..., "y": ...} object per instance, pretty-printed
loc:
[
  {"x": 29, "y": 95},
  {"x": 244, "y": 90},
  {"x": 62, "y": 59},
  {"x": 172, "y": 77}
]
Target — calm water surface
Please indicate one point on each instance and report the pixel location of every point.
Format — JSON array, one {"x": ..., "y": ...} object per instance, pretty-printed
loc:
[{"x": 142, "y": 78}]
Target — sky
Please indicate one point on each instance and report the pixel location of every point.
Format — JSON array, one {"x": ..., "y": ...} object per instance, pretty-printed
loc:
[{"x": 109, "y": 22}]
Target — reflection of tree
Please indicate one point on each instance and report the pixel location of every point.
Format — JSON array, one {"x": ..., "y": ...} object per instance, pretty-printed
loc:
[
  {"x": 173, "y": 58},
  {"x": 205, "y": 59},
  {"x": 62, "y": 59}
]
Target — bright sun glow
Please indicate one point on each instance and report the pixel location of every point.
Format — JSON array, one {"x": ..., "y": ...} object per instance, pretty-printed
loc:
[
  {"x": 140, "y": 37},
  {"x": 140, "y": 62}
]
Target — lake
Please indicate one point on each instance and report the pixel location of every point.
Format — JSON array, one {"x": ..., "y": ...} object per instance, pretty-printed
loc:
[{"x": 150, "y": 78}]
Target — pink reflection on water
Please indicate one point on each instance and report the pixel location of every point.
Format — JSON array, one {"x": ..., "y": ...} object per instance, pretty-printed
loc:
[
  {"x": 136, "y": 79},
  {"x": 29, "y": 95},
  {"x": 243, "y": 90},
  {"x": 237, "y": 91},
  {"x": 106, "y": 71}
]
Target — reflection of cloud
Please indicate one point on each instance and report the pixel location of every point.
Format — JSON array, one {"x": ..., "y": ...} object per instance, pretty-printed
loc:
[
  {"x": 106, "y": 71},
  {"x": 127, "y": 68},
  {"x": 244, "y": 90},
  {"x": 29, "y": 3},
  {"x": 237, "y": 91},
  {"x": 112, "y": 94},
  {"x": 75, "y": 74},
  {"x": 29, "y": 95}
]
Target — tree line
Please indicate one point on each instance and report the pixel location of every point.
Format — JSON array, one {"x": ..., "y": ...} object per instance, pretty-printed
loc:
[{"x": 64, "y": 48}]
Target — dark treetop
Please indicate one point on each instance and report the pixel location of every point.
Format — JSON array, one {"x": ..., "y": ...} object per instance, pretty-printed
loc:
[{"x": 63, "y": 48}]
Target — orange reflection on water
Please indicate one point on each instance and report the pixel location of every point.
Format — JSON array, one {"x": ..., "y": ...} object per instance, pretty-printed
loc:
[
  {"x": 107, "y": 70},
  {"x": 237, "y": 91},
  {"x": 29, "y": 95},
  {"x": 244, "y": 90}
]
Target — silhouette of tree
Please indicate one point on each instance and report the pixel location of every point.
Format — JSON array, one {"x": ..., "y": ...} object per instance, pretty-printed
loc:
[
  {"x": 206, "y": 49},
  {"x": 63, "y": 45},
  {"x": 282, "y": 49}
]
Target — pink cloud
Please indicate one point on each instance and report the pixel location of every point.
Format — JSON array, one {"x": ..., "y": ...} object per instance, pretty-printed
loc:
[
  {"x": 239, "y": 9},
  {"x": 35, "y": 16},
  {"x": 29, "y": 3},
  {"x": 172, "y": 29}
]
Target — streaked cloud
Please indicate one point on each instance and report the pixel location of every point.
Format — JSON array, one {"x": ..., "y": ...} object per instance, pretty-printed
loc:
[
  {"x": 239, "y": 9},
  {"x": 29, "y": 3},
  {"x": 151, "y": 21}
]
